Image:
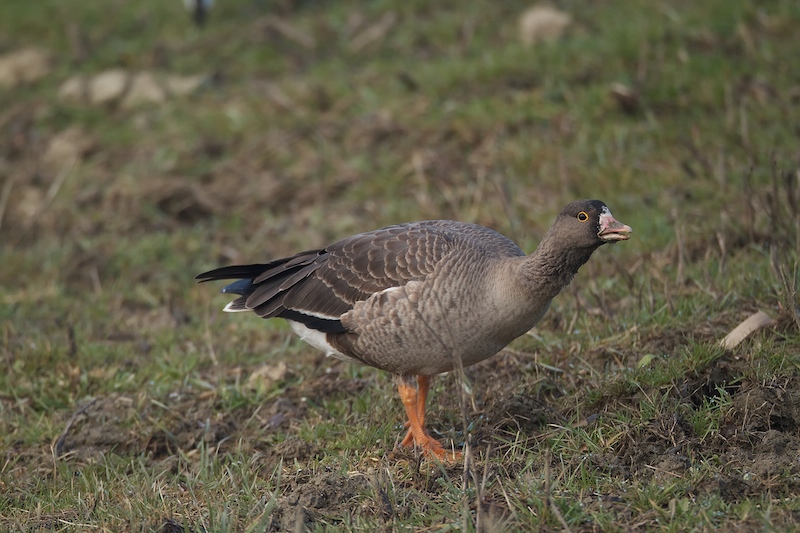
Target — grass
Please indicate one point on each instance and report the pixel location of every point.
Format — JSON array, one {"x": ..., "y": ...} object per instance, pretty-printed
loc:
[{"x": 130, "y": 402}]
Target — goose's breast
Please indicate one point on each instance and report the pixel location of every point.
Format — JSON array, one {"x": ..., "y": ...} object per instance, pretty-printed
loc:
[{"x": 423, "y": 326}]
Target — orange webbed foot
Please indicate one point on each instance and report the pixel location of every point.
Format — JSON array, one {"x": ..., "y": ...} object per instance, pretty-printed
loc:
[
  {"x": 414, "y": 402},
  {"x": 431, "y": 447}
]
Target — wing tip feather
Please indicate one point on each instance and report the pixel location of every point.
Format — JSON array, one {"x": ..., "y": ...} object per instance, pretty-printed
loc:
[{"x": 236, "y": 306}]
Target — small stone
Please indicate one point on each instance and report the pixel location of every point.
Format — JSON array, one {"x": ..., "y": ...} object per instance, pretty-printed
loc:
[
  {"x": 108, "y": 86},
  {"x": 543, "y": 24},
  {"x": 65, "y": 149},
  {"x": 267, "y": 375},
  {"x": 144, "y": 89},
  {"x": 73, "y": 90},
  {"x": 179, "y": 85},
  {"x": 23, "y": 66}
]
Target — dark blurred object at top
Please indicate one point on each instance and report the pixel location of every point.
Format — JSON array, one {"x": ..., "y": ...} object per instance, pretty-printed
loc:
[{"x": 199, "y": 9}]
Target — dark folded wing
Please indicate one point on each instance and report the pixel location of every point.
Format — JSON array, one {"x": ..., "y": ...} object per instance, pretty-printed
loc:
[{"x": 318, "y": 286}]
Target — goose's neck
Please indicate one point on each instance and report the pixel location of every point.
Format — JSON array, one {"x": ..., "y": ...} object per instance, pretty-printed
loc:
[{"x": 552, "y": 265}]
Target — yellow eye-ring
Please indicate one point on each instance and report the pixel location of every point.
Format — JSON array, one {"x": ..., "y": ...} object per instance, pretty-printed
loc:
[{"x": 582, "y": 216}]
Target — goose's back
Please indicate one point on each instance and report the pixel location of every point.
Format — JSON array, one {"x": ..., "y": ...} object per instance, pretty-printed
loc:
[{"x": 453, "y": 307}]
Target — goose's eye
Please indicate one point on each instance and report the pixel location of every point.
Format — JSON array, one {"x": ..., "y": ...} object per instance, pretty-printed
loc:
[{"x": 582, "y": 216}]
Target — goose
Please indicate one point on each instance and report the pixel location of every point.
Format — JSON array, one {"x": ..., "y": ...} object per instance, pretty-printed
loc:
[{"x": 421, "y": 298}]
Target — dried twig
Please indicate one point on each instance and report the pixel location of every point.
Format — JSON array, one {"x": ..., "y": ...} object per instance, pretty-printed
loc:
[
  {"x": 548, "y": 494},
  {"x": 52, "y": 192},
  {"x": 681, "y": 251},
  {"x": 292, "y": 32},
  {"x": 4, "y": 196},
  {"x": 754, "y": 322},
  {"x": 790, "y": 293},
  {"x": 373, "y": 33},
  {"x": 58, "y": 446}
]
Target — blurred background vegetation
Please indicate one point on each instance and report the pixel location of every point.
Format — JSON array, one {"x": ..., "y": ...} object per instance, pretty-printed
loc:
[{"x": 138, "y": 148}]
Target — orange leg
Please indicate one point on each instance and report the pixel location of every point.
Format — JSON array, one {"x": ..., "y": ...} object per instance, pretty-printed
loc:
[
  {"x": 423, "y": 386},
  {"x": 414, "y": 401}
]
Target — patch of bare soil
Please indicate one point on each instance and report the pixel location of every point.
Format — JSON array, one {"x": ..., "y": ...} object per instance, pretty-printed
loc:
[
  {"x": 127, "y": 425},
  {"x": 758, "y": 444},
  {"x": 756, "y": 451},
  {"x": 323, "y": 495},
  {"x": 124, "y": 424},
  {"x": 99, "y": 425}
]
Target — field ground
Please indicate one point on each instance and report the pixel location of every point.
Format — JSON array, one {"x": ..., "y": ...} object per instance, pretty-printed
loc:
[{"x": 130, "y": 402}]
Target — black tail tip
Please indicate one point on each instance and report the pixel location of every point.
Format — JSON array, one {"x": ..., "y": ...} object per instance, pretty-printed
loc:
[{"x": 242, "y": 287}]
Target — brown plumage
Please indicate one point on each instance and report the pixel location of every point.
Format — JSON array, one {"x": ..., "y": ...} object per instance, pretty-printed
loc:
[{"x": 412, "y": 298}]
